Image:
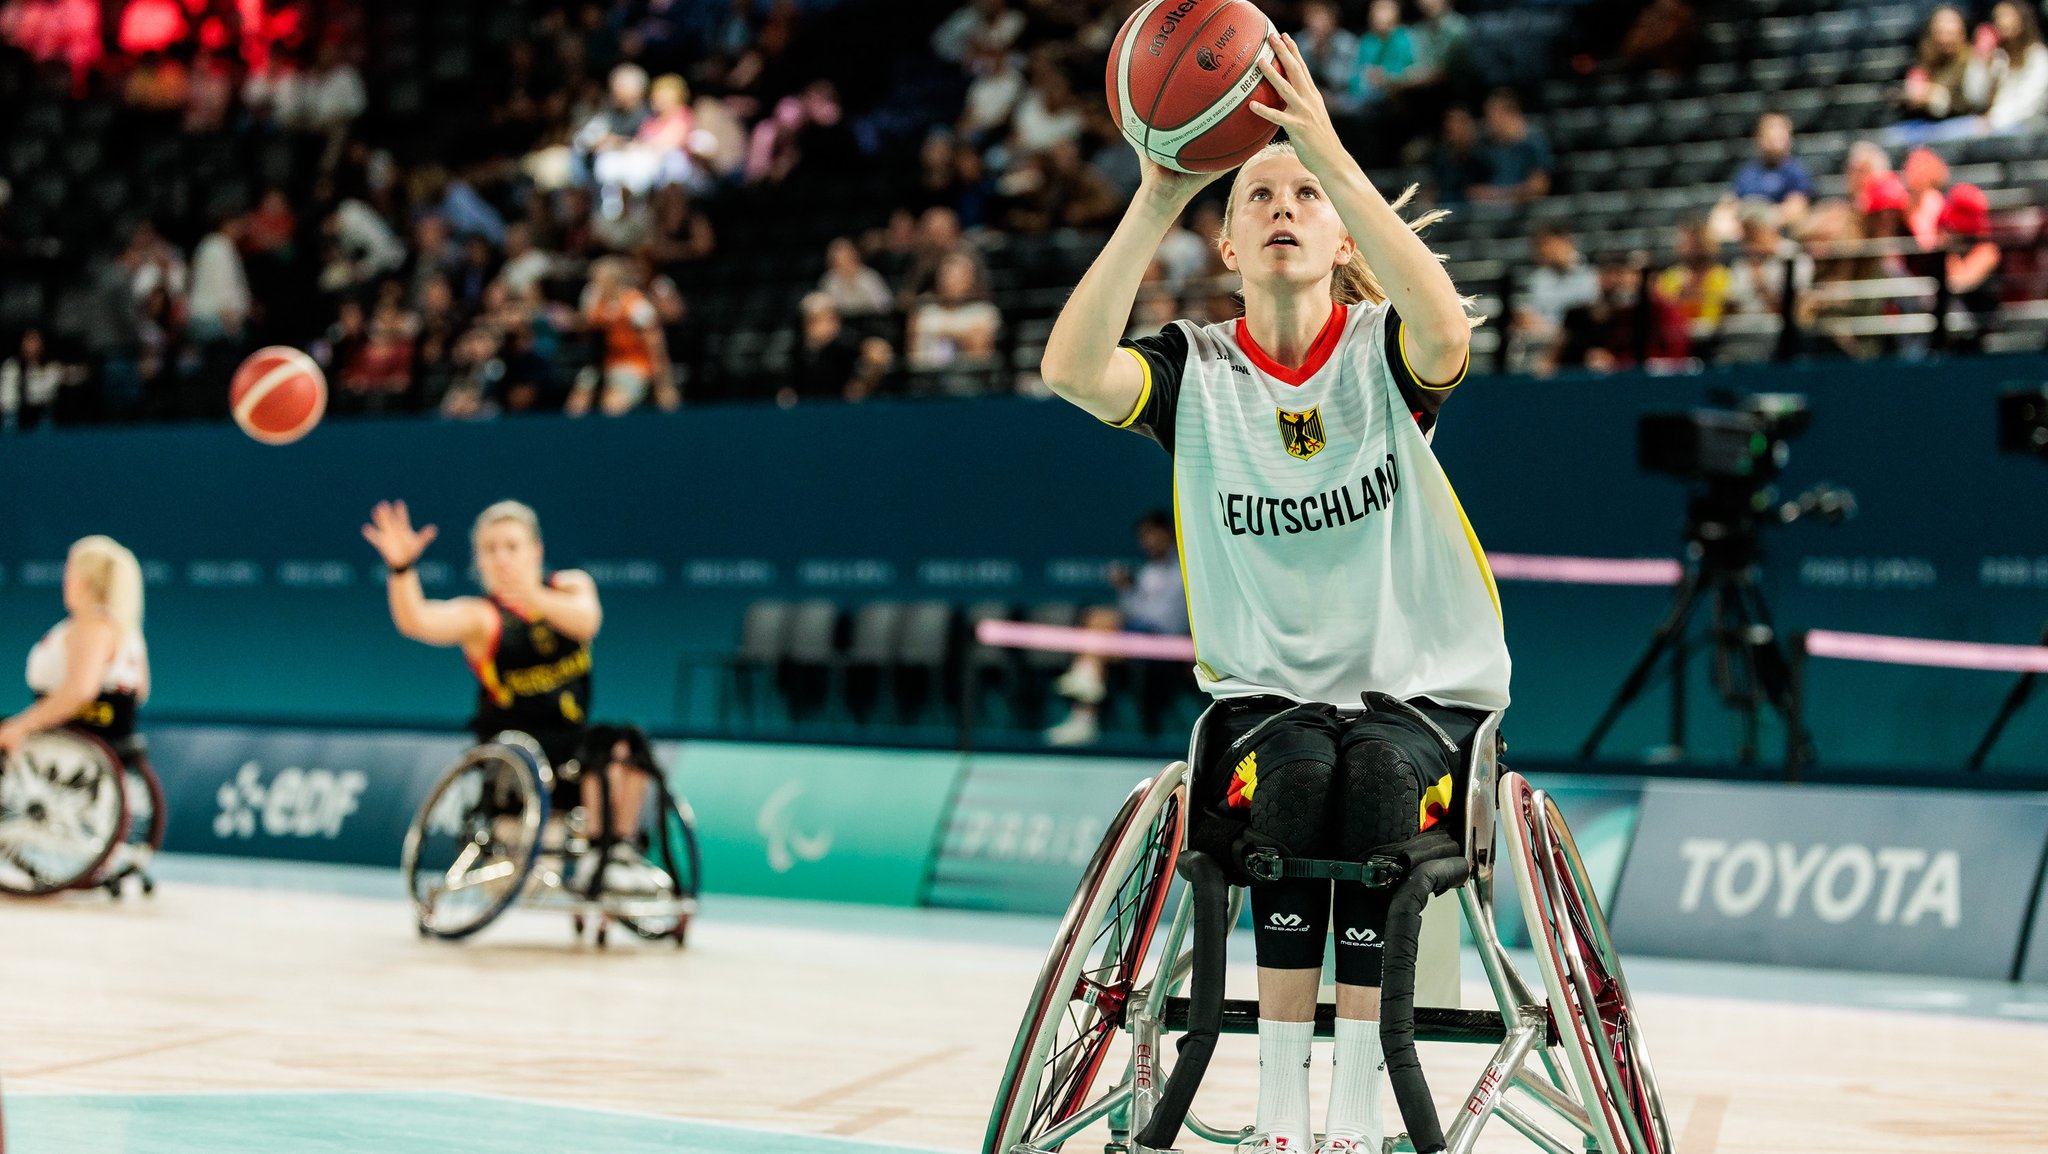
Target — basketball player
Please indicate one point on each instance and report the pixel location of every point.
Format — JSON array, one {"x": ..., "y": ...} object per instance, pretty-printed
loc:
[
  {"x": 633, "y": 352},
  {"x": 1325, "y": 553},
  {"x": 91, "y": 670},
  {"x": 527, "y": 640}
]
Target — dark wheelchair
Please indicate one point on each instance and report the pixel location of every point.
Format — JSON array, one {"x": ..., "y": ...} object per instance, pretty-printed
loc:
[
  {"x": 1572, "y": 1054},
  {"x": 78, "y": 813},
  {"x": 489, "y": 837}
]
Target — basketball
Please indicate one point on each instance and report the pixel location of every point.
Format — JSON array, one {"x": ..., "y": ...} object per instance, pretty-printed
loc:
[
  {"x": 1179, "y": 75},
  {"x": 278, "y": 395}
]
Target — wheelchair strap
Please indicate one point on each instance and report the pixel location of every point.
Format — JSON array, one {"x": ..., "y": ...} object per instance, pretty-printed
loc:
[
  {"x": 1210, "y": 892},
  {"x": 1377, "y": 872}
]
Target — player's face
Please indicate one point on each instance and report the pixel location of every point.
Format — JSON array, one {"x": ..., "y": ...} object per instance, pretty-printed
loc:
[
  {"x": 1283, "y": 231},
  {"x": 507, "y": 556}
]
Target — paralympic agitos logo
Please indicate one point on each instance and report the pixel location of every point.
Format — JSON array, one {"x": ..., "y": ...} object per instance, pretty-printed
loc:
[{"x": 1171, "y": 22}]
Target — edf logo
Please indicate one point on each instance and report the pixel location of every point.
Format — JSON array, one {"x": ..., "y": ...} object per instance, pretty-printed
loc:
[{"x": 295, "y": 803}]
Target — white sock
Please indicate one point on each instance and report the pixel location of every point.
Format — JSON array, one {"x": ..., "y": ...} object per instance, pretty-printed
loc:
[
  {"x": 1283, "y": 1080},
  {"x": 1355, "y": 1072}
]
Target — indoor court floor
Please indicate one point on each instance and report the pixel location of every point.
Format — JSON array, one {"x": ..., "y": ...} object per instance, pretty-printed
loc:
[{"x": 289, "y": 1009}]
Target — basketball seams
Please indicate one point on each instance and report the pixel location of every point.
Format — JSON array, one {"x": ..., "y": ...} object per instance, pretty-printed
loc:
[
  {"x": 1128, "y": 109},
  {"x": 290, "y": 363},
  {"x": 1224, "y": 106},
  {"x": 1173, "y": 69}
]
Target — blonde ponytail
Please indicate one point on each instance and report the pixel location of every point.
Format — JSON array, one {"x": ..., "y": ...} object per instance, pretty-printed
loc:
[{"x": 113, "y": 578}]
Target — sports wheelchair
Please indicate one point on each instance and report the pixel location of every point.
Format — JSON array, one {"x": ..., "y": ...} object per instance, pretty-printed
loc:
[
  {"x": 489, "y": 837},
  {"x": 1577, "y": 1053},
  {"x": 76, "y": 813}
]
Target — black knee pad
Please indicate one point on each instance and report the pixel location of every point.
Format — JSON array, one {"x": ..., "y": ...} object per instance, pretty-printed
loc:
[
  {"x": 1390, "y": 763},
  {"x": 1280, "y": 779}
]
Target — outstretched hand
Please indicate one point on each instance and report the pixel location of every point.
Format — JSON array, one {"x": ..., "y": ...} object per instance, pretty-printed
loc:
[
  {"x": 390, "y": 531},
  {"x": 1302, "y": 111}
]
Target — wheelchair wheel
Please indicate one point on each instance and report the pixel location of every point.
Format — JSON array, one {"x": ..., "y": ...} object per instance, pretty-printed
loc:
[
  {"x": 1589, "y": 998},
  {"x": 63, "y": 810},
  {"x": 473, "y": 844},
  {"x": 1078, "y": 1004},
  {"x": 672, "y": 848},
  {"x": 146, "y": 808}
]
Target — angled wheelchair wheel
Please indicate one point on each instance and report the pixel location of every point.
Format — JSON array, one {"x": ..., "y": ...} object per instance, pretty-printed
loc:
[
  {"x": 472, "y": 846},
  {"x": 672, "y": 848},
  {"x": 1589, "y": 998},
  {"x": 1077, "y": 1007},
  {"x": 145, "y": 838},
  {"x": 63, "y": 811}
]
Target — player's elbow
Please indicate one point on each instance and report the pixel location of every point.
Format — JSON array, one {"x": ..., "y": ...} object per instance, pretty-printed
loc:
[{"x": 1438, "y": 349}]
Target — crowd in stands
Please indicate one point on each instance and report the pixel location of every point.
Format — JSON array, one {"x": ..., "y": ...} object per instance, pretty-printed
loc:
[{"x": 562, "y": 245}]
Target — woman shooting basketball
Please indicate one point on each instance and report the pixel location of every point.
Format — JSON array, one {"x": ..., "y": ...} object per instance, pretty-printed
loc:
[
  {"x": 527, "y": 640},
  {"x": 1326, "y": 556}
]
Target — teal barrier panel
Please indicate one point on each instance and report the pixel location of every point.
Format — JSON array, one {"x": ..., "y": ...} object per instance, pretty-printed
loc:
[{"x": 816, "y": 822}]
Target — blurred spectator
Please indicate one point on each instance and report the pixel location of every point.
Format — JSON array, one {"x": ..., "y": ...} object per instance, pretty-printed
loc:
[
  {"x": 158, "y": 83},
  {"x": 953, "y": 328},
  {"x": 1148, "y": 601},
  {"x": 997, "y": 87},
  {"x": 1054, "y": 189},
  {"x": 155, "y": 264},
  {"x": 1757, "y": 282},
  {"x": 114, "y": 338},
  {"x": 29, "y": 382},
  {"x": 209, "y": 94},
  {"x": 1924, "y": 175},
  {"x": 938, "y": 240},
  {"x": 633, "y": 356},
  {"x": 1665, "y": 37},
  {"x": 1864, "y": 161},
  {"x": 1560, "y": 282},
  {"x": 1605, "y": 334},
  {"x": 615, "y": 125},
  {"x": 1156, "y": 306},
  {"x": 219, "y": 305},
  {"x": 440, "y": 323},
  {"x": 1459, "y": 164},
  {"x": 525, "y": 264},
  {"x": 893, "y": 248},
  {"x": 1774, "y": 174},
  {"x": 1518, "y": 157},
  {"x": 682, "y": 235},
  {"x": 478, "y": 375},
  {"x": 1934, "y": 85},
  {"x": 1331, "y": 51},
  {"x": 271, "y": 227},
  {"x": 364, "y": 247},
  {"x": 434, "y": 252},
  {"x": 1972, "y": 263},
  {"x": 978, "y": 26},
  {"x": 854, "y": 289},
  {"x": 629, "y": 228},
  {"x": 776, "y": 146},
  {"x": 1048, "y": 114},
  {"x": 380, "y": 375},
  {"x": 1112, "y": 156},
  {"x": 1697, "y": 283},
  {"x": 1442, "y": 40},
  {"x": 1386, "y": 54},
  {"x": 829, "y": 362},
  {"x": 1189, "y": 250},
  {"x": 1881, "y": 206},
  {"x": 2008, "y": 73},
  {"x": 333, "y": 97},
  {"x": 666, "y": 149},
  {"x": 271, "y": 91}
]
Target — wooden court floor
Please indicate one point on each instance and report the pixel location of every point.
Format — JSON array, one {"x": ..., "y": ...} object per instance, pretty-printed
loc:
[{"x": 888, "y": 1027}]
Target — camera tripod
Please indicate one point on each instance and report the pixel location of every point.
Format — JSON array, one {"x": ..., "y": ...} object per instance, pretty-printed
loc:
[{"x": 1749, "y": 666}]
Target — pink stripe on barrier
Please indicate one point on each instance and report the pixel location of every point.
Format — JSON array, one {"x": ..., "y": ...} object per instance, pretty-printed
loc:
[
  {"x": 1585, "y": 570},
  {"x": 1927, "y": 651},
  {"x": 1067, "y": 639}
]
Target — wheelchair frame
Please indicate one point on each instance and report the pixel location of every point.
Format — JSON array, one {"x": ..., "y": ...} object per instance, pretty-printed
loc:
[
  {"x": 61, "y": 796},
  {"x": 514, "y": 846},
  {"x": 1590, "y": 1071}
]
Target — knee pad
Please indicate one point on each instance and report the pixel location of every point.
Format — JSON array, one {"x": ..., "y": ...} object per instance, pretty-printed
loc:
[
  {"x": 1280, "y": 779},
  {"x": 1393, "y": 772}
]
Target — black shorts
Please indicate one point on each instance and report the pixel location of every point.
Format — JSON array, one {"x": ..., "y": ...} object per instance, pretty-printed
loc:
[{"x": 1292, "y": 917}]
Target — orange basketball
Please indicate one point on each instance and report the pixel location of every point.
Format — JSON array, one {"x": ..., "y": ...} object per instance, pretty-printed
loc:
[
  {"x": 1179, "y": 75},
  {"x": 278, "y": 395}
]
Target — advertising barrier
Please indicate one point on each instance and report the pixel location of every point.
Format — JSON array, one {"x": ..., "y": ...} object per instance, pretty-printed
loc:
[
  {"x": 2034, "y": 966},
  {"x": 1913, "y": 882}
]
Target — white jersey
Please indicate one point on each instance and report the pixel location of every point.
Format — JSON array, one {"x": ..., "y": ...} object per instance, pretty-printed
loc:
[
  {"x": 1324, "y": 551},
  {"x": 128, "y": 673}
]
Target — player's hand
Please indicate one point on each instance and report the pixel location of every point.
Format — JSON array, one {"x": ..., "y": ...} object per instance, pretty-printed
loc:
[
  {"x": 1175, "y": 188},
  {"x": 1302, "y": 111},
  {"x": 391, "y": 533}
]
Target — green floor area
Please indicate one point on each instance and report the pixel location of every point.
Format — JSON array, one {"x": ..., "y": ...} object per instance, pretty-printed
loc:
[{"x": 358, "y": 1123}]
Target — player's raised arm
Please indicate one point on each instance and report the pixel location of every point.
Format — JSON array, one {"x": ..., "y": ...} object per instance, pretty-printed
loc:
[
  {"x": 1081, "y": 362},
  {"x": 1436, "y": 332},
  {"x": 463, "y": 621}
]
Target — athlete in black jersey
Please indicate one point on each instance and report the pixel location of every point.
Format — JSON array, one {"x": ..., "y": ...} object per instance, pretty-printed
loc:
[{"x": 527, "y": 640}]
